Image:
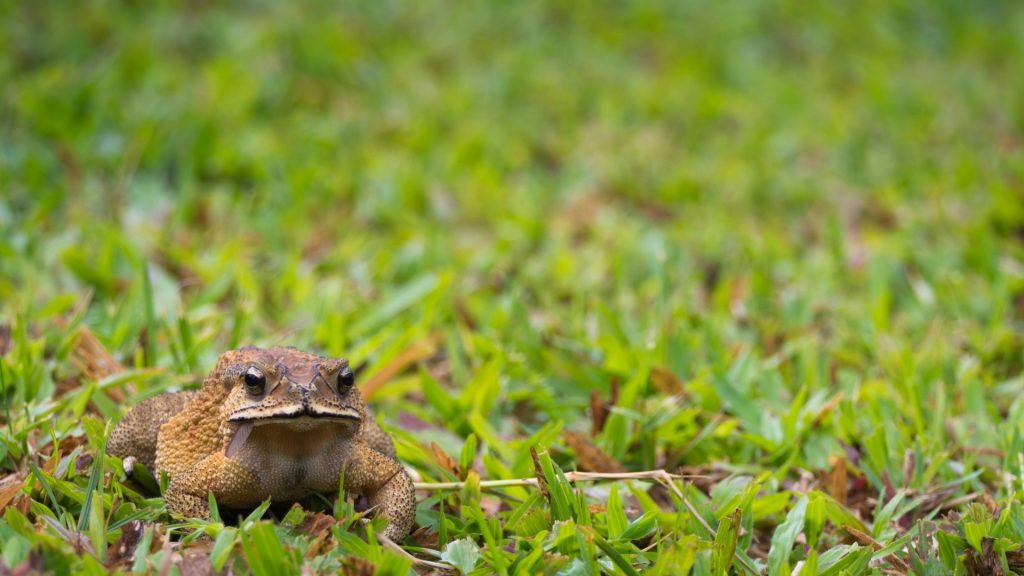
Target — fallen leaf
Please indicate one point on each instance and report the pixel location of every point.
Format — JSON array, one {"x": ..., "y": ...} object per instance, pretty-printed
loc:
[
  {"x": 317, "y": 524},
  {"x": 196, "y": 563},
  {"x": 10, "y": 487},
  {"x": 92, "y": 360},
  {"x": 666, "y": 381},
  {"x": 590, "y": 457},
  {"x": 123, "y": 549},
  {"x": 445, "y": 461},
  {"x": 425, "y": 537},
  {"x": 990, "y": 503},
  {"x": 828, "y": 408},
  {"x": 988, "y": 562},
  {"x": 599, "y": 409},
  {"x": 836, "y": 480},
  {"x": 83, "y": 462}
]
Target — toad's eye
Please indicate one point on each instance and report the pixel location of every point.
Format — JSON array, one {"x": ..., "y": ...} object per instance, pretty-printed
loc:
[
  {"x": 345, "y": 379},
  {"x": 255, "y": 381}
]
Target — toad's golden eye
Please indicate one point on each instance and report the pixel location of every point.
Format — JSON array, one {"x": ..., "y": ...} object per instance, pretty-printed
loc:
[
  {"x": 255, "y": 381},
  {"x": 345, "y": 379}
]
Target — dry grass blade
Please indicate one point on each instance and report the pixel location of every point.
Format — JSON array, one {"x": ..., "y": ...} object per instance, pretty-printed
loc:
[
  {"x": 390, "y": 545},
  {"x": 5, "y": 338},
  {"x": 590, "y": 457},
  {"x": 93, "y": 361},
  {"x": 10, "y": 487},
  {"x": 867, "y": 540},
  {"x": 418, "y": 351},
  {"x": 445, "y": 461}
]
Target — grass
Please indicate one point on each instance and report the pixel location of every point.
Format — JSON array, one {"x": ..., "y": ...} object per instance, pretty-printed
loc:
[{"x": 776, "y": 248}]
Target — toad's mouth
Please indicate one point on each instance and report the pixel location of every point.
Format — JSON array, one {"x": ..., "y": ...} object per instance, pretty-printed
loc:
[
  {"x": 262, "y": 416},
  {"x": 299, "y": 420}
]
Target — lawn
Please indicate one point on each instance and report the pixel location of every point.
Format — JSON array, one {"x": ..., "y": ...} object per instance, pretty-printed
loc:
[{"x": 766, "y": 256}]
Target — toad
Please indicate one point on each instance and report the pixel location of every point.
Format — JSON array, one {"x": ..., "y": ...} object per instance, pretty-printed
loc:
[{"x": 276, "y": 423}]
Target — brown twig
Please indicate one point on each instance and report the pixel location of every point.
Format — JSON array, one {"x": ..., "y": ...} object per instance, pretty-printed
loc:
[
  {"x": 651, "y": 475},
  {"x": 391, "y": 545}
]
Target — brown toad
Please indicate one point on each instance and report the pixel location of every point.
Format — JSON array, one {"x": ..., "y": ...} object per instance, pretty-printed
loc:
[{"x": 277, "y": 423}]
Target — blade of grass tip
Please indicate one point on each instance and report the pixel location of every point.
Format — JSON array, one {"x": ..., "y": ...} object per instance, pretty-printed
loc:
[
  {"x": 97, "y": 438},
  {"x": 137, "y": 515},
  {"x": 520, "y": 510},
  {"x": 251, "y": 552},
  {"x": 57, "y": 509},
  {"x": 257, "y": 513},
  {"x": 83, "y": 517},
  {"x": 616, "y": 557},
  {"x": 853, "y": 562},
  {"x": 223, "y": 547},
  {"x": 889, "y": 552},
  {"x": 270, "y": 546},
  {"x": 214, "y": 509},
  {"x": 814, "y": 520},
  {"x": 97, "y": 529},
  {"x": 724, "y": 547},
  {"x": 640, "y": 527},
  {"x": 494, "y": 550},
  {"x": 468, "y": 455},
  {"x": 582, "y": 511},
  {"x": 883, "y": 516},
  {"x": 616, "y": 515},
  {"x": 785, "y": 537},
  {"x": 442, "y": 526},
  {"x": 549, "y": 483}
]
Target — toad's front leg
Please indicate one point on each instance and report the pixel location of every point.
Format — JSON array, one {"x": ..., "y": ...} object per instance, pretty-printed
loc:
[
  {"x": 230, "y": 482},
  {"x": 386, "y": 486}
]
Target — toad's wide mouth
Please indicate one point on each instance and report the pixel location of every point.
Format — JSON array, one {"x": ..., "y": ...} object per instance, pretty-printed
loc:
[
  {"x": 262, "y": 417},
  {"x": 299, "y": 420}
]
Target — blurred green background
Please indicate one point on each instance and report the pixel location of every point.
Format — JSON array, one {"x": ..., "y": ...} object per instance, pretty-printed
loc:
[{"x": 781, "y": 227}]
